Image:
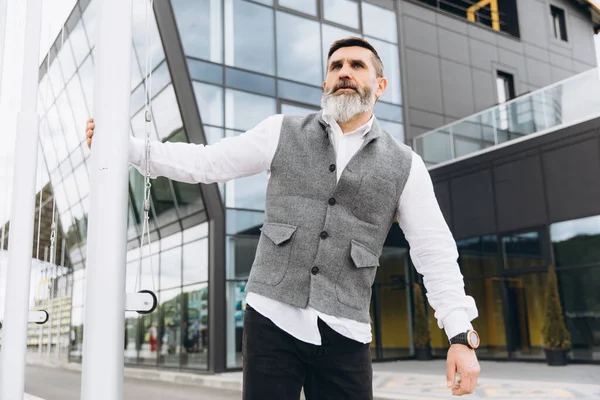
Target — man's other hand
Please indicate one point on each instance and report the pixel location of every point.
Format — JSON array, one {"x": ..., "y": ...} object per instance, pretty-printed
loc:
[
  {"x": 462, "y": 360},
  {"x": 89, "y": 131}
]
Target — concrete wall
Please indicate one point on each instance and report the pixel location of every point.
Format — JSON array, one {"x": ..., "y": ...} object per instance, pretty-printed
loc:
[{"x": 451, "y": 64}]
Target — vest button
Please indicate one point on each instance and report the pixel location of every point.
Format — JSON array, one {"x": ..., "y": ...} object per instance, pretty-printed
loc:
[
  {"x": 314, "y": 270},
  {"x": 332, "y": 167},
  {"x": 324, "y": 235},
  {"x": 331, "y": 201}
]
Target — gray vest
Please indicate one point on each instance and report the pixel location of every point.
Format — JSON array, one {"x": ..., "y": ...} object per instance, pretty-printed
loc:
[{"x": 321, "y": 239}]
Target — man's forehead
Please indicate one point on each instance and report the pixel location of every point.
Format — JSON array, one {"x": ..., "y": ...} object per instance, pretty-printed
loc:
[{"x": 350, "y": 53}]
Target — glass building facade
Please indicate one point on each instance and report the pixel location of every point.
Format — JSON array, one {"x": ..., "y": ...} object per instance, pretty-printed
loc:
[{"x": 218, "y": 68}]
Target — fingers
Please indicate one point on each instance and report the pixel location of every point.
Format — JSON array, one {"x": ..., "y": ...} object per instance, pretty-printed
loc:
[
  {"x": 90, "y": 131},
  {"x": 463, "y": 386},
  {"x": 450, "y": 372}
]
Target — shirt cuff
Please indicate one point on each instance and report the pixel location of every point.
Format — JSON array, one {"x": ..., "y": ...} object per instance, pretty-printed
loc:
[
  {"x": 457, "y": 322},
  {"x": 136, "y": 151}
]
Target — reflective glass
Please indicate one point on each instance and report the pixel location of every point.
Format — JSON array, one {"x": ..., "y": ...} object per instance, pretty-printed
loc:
[
  {"x": 131, "y": 223},
  {"x": 298, "y": 49},
  {"x": 55, "y": 74},
  {"x": 210, "y": 103},
  {"x": 249, "y": 41},
  {"x": 160, "y": 78},
  {"x": 62, "y": 203},
  {"x": 138, "y": 126},
  {"x": 136, "y": 72},
  {"x": 67, "y": 62},
  {"x": 379, "y": 22},
  {"x": 298, "y": 92},
  {"x": 136, "y": 101},
  {"x": 44, "y": 95},
  {"x": 213, "y": 135},
  {"x": 195, "y": 262},
  {"x": 162, "y": 200},
  {"x": 195, "y": 326},
  {"x": 195, "y": 232},
  {"x": 241, "y": 251},
  {"x": 523, "y": 250},
  {"x": 48, "y": 145},
  {"x": 60, "y": 146},
  {"x": 304, "y": 6},
  {"x": 394, "y": 129},
  {"x": 82, "y": 179},
  {"x": 67, "y": 122},
  {"x": 170, "y": 268},
  {"x": 79, "y": 43},
  {"x": 290, "y": 109},
  {"x": 205, "y": 71},
  {"x": 189, "y": 198},
  {"x": 141, "y": 34},
  {"x": 200, "y": 28},
  {"x": 391, "y": 70},
  {"x": 150, "y": 343},
  {"x": 131, "y": 337},
  {"x": 86, "y": 74},
  {"x": 343, "y": 12},
  {"x": 576, "y": 242},
  {"x": 170, "y": 241},
  {"x": 170, "y": 327},
  {"x": 166, "y": 113},
  {"x": 90, "y": 21},
  {"x": 78, "y": 107},
  {"x": 330, "y": 35},
  {"x": 244, "y": 222},
  {"x": 244, "y": 111},
  {"x": 236, "y": 308},
  {"x": 249, "y": 81},
  {"x": 388, "y": 111}
]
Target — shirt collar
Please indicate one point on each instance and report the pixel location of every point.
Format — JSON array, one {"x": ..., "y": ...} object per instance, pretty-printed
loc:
[{"x": 363, "y": 130}]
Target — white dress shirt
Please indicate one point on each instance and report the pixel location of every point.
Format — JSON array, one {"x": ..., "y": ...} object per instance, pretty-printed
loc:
[{"x": 432, "y": 247}]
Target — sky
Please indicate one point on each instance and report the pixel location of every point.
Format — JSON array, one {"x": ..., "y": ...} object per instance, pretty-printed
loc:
[{"x": 54, "y": 13}]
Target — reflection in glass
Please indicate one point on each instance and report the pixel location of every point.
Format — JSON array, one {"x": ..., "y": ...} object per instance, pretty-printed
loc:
[
  {"x": 343, "y": 12},
  {"x": 79, "y": 42},
  {"x": 204, "y": 71},
  {"x": 576, "y": 242},
  {"x": 163, "y": 201},
  {"x": 244, "y": 221},
  {"x": 89, "y": 20},
  {"x": 56, "y": 131},
  {"x": 195, "y": 232},
  {"x": 71, "y": 189},
  {"x": 298, "y": 49},
  {"x": 86, "y": 74},
  {"x": 56, "y": 79},
  {"x": 160, "y": 78},
  {"x": 170, "y": 327},
  {"x": 301, "y": 93},
  {"x": 523, "y": 250},
  {"x": 170, "y": 268},
  {"x": 244, "y": 111},
  {"x": 166, "y": 113},
  {"x": 195, "y": 262},
  {"x": 76, "y": 334},
  {"x": 236, "y": 308},
  {"x": 479, "y": 255},
  {"x": 213, "y": 135},
  {"x": 394, "y": 129},
  {"x": 195, "y": 326},
  {"x": 131, "y": 337},
  {"x": 141, "y": 33},
  {"x": 246, "y": 46},
  {"x": 240, "y": 255},
  {"x": 304, "y": 6},
  {"x": 78, "y": 107},
  {"x": 136, "y": 74},
  {"x": 251, "y": 82},
  {"x": 200, "y": 28},
  {"x": 388, "y": 111},
  {"x": 82, "y": 179},
  {"x": 391, "y": 70},
  {"x": 67, "y": 62},
  {"x": 379, "y": 22},
  {"x": 68, "y": 124},
  {"x": 210, "y": 103}
]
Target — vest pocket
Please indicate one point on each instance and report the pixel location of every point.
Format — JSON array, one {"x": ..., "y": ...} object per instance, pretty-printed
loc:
[
  {"x": 354, "y": 283},
  {"x": 273, "y": 253}
]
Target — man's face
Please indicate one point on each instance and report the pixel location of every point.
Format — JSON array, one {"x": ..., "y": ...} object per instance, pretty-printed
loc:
[{"x": 351, "y": 71}]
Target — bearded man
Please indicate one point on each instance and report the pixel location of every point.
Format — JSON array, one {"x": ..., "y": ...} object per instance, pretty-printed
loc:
[{"x": 336, "y": 183}]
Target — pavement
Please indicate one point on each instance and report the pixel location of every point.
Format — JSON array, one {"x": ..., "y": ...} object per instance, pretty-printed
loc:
[{"x": 411, "y": 380}]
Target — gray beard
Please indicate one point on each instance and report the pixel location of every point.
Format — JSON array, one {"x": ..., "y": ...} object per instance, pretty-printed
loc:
[{"x": 343, "y": 106}]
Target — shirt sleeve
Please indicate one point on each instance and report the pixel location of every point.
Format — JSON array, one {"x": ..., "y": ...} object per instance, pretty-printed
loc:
[
  {"x": 433, "y": 251},
  {"x": 232, "y": 157}
]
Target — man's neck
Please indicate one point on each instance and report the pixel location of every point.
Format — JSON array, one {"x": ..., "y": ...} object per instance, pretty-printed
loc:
[{"x": 355, "y": 122}]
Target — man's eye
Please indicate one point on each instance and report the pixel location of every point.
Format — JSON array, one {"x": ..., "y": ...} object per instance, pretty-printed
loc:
[{"x": 357, "y": 65}]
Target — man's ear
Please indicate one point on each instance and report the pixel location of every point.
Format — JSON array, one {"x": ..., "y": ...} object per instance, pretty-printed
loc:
[{"x": 381, "y": 86}]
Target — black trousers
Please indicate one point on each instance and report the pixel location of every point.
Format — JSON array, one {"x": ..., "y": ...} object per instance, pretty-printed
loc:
[{"x": 277, "y": 365}]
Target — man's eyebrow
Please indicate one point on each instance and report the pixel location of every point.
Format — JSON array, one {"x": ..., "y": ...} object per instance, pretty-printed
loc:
[{"x": 337, "y": 62}]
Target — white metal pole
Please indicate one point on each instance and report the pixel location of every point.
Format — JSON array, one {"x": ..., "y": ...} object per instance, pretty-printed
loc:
[
  {"x": 3, "y": 7},
  {"x": 16, "y": 312},
  {"x": 102, "y": 372}
]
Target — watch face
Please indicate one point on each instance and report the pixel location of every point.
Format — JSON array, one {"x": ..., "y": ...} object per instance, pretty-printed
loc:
[{"x": 474, "y": 339}]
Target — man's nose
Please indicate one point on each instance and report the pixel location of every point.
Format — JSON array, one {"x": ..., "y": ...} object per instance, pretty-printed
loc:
[{"x": 345, "y": 71}]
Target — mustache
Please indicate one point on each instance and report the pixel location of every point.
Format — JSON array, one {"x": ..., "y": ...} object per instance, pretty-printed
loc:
[{"x": 344, "y": 84}]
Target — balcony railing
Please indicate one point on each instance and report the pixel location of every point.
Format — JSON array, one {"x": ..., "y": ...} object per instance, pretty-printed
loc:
[{"x": 564, "y": 103}]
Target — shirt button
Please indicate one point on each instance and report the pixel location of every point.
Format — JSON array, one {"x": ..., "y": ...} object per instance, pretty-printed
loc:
[
  {"x": 331, "y": 201},
  {"x": 314, "y": 270},
  {"x": 324, "y": 235},
  {"x": 332, "y": 167}
]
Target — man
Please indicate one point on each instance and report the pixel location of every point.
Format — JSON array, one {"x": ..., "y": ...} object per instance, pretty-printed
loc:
[{"x": 336, "y": 182}]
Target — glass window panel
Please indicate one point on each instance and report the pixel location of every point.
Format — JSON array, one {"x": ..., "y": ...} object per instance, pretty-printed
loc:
[
  {"x": 391, "y": 70},
  {"x": 523, "y": 250},
  {"x": 266, "y": 2},
  {"x": 189, "y": 198},
  {"x": 137, "y": 99},
  {"x": 379, "y": 22},
  {"x": 56, "y": 132},
  {"x": 76, "y": 334},
  {"x": 330, "y": 35},
  {"x": 236, "y": 308},
  {"x": 162, "y": 200},
  {"x": 82, "y": 179},
  {"x": 479, "y": 255},
  {"x": 78, "y": 107},
  {"x": 86, "y": 74},
  {"x": 204, "y": 71},
  {"x": 67, "y": 61},
  {"x": 248, "y": 192},
  {"x": 249, "y": 40},
  {"x": 305, "y": 6},
  {"x": 138, "y": 126},
  {"x": 249, "y": 81},
  {"x": 165, "y": 111},
  {"x": 48, "y": 146},
  {"x": 298, "y": 49},
  {"x": 200, "y": 28},
  {"x": 195, "y": 232},
  {"x": 79, "y": 43},
  {"x": 150, "y": 340},
  {"x": 68, "y": 123},
  {"x": 388, "y": 111},
  {"x": 576, "y": 242},
  {"x": 141, "y": 33},
  {"x": 90, "y": 20},
  {"x": 136, "y": 72},
  {"x": 244, "y": 111},
  {"x": 394, "y": 129},
  {"x": 213, "y": 135},
  {"x": 170, "y": 327},
  {"x": 343, "y": 12},
  {"x": 71, "y": 189},
  {"x": 131, "y": 223},
  {"x": 160, "y": 78},
  {"x": 131, "y": 337},
  {"x": 171, "y": 241},
  {"x": 210, "y": 103},
  {"x": 244, "y": 222},
  {"x": 195, "y": 326},
  {"x": 301, "y": 93},
  {"x": 44, "y": 94},
  {"x": 55, "y": 74},
  {"x": 170, "y": 268},
  {"x": 195, "y": 262},
  {"x": 78, "y": 292},
  {"x": 291, "y": 109},
  {"x": 241, "y": 251},
  {"x": 62, "y": 203}
]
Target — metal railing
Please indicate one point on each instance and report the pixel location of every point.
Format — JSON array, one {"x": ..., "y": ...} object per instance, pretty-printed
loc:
[{"x": 564, "y": 103}]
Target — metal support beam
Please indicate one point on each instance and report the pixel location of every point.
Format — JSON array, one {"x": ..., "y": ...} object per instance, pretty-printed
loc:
[
  {"x": 102, "y": 370},
  {"x": 16, "y": 313}
]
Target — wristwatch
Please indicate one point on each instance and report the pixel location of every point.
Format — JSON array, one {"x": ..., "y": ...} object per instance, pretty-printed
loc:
[{"x": 469, "y": 338}]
